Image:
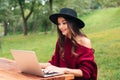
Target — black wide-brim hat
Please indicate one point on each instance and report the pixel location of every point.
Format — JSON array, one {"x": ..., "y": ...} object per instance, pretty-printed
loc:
[{"x": 67, "y": 13}]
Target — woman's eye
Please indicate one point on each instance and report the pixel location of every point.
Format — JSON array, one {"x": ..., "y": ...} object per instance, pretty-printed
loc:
[{"x": 64, "y": 22}]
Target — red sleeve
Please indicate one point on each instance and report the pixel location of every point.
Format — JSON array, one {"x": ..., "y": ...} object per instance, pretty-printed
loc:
[
  {"x": 87, "y": 65},
  {"x": 55, "y": 58}
]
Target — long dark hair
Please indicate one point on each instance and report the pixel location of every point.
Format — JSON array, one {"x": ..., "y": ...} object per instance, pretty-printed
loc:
[{"x": 75, "y": 30}]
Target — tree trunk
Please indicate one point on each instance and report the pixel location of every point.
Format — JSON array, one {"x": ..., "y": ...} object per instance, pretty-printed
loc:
[
  {"x": 52, "y": 25},
  {"x": 25, "y": 30},
  {"x": 0, "y": 42},
  {"x": 5, "y": 28}
]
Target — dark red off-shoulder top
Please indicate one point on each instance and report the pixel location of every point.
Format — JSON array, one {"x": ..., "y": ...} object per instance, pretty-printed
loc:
[{"x": 83, "y": 61}]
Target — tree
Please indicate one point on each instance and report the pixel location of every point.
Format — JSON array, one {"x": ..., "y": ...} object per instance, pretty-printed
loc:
[
  {"x": 25, "y": 18},
  {"x": 4, "y": 17},
  {"x": 51, "y": 9}
]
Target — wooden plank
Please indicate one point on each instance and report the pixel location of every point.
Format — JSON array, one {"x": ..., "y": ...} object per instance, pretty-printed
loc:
[{"x": 9, "y": 75}]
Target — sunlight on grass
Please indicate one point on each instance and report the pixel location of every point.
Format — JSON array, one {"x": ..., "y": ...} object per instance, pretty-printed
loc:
[
  {"x": 107, "y": 47},
  {"x": 105, "y": 20}
]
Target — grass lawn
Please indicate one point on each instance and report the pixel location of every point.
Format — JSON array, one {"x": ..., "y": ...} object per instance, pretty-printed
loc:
[
  {"x": 102, "y": 27},
  {"x": 42, "y": 44}
]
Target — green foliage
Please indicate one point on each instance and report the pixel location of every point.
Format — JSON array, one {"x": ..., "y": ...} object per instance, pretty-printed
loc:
[
  {"x": 38, "y": 21},
  {"x": 102, "y": 27},
  {"x": 109, "y": 3}
]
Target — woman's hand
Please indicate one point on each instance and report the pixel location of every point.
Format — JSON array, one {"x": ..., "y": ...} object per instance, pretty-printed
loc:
[{"x": 51, "y": 68}]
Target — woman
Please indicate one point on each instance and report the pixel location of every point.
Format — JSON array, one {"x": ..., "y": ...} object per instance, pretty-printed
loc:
[{"x": 73, "y": 53}]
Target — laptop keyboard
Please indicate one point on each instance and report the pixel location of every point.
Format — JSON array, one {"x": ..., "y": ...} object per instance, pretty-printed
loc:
[{"x": 49, "y": 73}]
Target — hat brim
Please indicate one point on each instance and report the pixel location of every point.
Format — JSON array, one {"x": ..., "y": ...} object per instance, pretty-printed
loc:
[{"x": 54, "y": 19}]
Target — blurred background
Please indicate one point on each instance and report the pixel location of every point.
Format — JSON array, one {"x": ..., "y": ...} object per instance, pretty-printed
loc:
[
  {"x": 24, "y": 16},
  {"x": 25, "y": 24}
]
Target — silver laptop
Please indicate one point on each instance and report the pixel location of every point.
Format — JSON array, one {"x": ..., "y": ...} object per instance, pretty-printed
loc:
[{"x": 28, "y": 63}]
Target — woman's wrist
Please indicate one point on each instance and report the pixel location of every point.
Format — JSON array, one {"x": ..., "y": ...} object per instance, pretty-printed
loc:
[
  {"x": 67, "y": 71},
  {"x": 76, "y": 72}
]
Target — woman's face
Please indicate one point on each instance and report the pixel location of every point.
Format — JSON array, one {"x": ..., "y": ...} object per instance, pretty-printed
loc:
[{"x": 63, "y": 27}]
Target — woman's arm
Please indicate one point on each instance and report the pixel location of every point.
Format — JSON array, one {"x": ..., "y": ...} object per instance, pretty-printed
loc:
[{"x": 76, "y": 72}]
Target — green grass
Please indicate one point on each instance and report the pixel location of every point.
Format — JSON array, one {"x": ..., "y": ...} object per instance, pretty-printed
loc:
[
  {"x": 102, "y": 27},
  {"x": 42, "y": 44},
  {"x": 101, "y": 20},
  {"x": 107, "y": 55}
]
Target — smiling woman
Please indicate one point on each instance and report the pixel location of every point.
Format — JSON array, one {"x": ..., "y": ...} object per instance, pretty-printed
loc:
[{"x": 73, "y": 53}]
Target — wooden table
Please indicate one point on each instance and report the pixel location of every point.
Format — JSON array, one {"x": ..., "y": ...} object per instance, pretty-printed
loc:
[{"x": 10, "y": 71}]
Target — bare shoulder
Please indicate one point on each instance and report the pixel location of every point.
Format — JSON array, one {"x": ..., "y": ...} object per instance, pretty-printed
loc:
[{"x": 84, "y": 41}]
